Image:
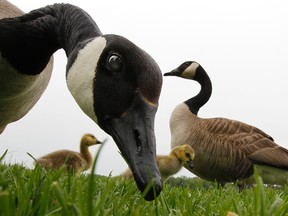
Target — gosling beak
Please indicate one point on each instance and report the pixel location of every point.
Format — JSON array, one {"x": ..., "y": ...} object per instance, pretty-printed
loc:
[
  {"x": 190, "y": 164},
  {"x": 98, "y": 142},
  {"x": 133, "y": 133}
]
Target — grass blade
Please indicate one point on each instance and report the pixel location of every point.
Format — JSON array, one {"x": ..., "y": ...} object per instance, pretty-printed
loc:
[
  {"x": 91, "y": 180},
  {"x": 3, "y": 155}
]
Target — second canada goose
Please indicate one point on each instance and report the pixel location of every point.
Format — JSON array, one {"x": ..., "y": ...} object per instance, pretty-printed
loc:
[
  {"x": 115, "y": 83},
  {"x": 225, "y": 150},
  {"x": 73, "y": 161},
  {"x": 171, "y": 164}
]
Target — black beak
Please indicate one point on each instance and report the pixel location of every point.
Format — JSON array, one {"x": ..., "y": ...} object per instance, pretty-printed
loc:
[
  {"x": 98, "y": 142},
  {"x": 174, "y": 72},
  {"x": 190, "y": 164},
  {"x": 134, "y": 135}
]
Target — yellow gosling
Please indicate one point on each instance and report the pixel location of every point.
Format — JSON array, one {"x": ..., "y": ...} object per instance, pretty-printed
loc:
[
  {"x": 170, "y": 164},
  {"x": 73, "y": 161}
]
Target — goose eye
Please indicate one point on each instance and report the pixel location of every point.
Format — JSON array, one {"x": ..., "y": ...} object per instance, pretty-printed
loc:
[{"x": 114, "y": 63}]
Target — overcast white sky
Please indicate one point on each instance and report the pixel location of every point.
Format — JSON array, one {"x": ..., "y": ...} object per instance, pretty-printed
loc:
[{"x": 242, "y": 45}]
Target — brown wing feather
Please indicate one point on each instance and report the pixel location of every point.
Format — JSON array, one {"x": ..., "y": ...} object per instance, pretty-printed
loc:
[
  {"x": 216, "y": 152},
  {"x": 276, "y": 157},
  {"x": 258, "y": 146}
]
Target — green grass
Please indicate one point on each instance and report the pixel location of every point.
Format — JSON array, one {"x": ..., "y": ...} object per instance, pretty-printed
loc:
[{"x": 37, "y": 192}]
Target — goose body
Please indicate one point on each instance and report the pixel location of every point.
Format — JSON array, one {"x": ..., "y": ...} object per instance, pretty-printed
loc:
[
  {"x": 225, "y": 150},
  {"x": 115, "y": 83},
  {"x": 73, "y": 161},
  {"x": 18, "y": 92},
  {"x": 171, "y": 164}
]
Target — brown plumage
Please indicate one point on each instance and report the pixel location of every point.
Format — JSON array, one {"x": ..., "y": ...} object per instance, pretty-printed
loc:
[
  {"x": 73, "y": 161},
  {"x": 9, "y": 10},
  {"x": 225, "y": 149},
  {"x": 171, "y": 164}
]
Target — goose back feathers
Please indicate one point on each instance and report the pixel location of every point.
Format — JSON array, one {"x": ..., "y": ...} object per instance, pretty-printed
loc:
[
  {"x": 116, "y": 83},
  {"x": 225, "y": 150}
]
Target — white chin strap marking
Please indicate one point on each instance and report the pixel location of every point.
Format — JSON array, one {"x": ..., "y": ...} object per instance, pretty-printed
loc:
[{"x": 82, "y": 73}]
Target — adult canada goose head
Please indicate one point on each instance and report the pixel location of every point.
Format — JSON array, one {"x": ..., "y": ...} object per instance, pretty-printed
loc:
[
  {"x": 114, "y": 82},
  {"x": 194, "y": 71}
]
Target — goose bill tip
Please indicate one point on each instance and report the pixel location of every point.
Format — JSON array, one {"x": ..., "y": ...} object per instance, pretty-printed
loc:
[
  {"x": 190, "y": 164},
  {"x": 171, "y": 73},
  {"x": 134, "y": 135}
]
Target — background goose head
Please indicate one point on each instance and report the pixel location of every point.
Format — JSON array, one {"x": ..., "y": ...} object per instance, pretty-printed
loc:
[
  {"x": 194, "y": 71},
  {"x": 119, "y": 89},
  {"x": 187, "y": 70}
]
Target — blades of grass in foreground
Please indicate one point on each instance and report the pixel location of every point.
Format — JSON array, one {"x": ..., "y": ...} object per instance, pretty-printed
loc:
[
  {"x": 259, "y": 195},
  {"x": 164, "y": 205},
  {"x": 30, "y": 192},
  {"x": 91, "y": 180},
  {"x": 3, "y": 155},
  {"x": 43, "y": 170},
  {"x": 266, "y": 203},
  {"x": 5, "y": 205},
  {"x": 278, "y": 202},
  {"x": 60, "y": 197}
]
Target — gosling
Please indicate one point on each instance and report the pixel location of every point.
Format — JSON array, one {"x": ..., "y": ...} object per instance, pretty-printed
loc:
[
  {"x": 72, "y": 161},
  {"x": 170, "y": 164}
]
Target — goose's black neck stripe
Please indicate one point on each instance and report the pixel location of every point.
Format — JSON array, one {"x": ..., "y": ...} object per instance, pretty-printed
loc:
[
  {"x": 31, "y": 39},
  {"x": 195, "y": 103}
]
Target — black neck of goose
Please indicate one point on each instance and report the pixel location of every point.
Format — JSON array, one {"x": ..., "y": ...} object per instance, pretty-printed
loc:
[
  {"x": 195, "y": 103},
  {"x": 31, "y": 39}
]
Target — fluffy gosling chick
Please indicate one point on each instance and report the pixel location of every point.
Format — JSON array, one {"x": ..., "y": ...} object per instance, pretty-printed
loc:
[
  {"x": 170, "y": 164},
  {"x": 73, "y": 161}
]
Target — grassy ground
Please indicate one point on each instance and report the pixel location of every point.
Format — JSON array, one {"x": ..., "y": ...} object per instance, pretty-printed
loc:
[{"x": 37, "y": 192}]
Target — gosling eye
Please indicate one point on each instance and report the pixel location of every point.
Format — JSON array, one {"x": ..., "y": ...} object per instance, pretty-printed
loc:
[
  {"x": 114, "y": 63},
  {"x": 187, "y": 155}
]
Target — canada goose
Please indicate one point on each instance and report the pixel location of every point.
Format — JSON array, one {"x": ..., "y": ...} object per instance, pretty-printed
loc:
[
  {"x": 171, "y": 164},
  {"x": 116, "y": 83},
  {"x": 73, "y": 161},
  {"x": 225, "y": 150}
]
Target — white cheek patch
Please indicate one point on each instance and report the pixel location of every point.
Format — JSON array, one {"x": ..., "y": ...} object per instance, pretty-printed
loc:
[
  {"x": 190, "y": 71},
  {"x": 82, "y": 73}
]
